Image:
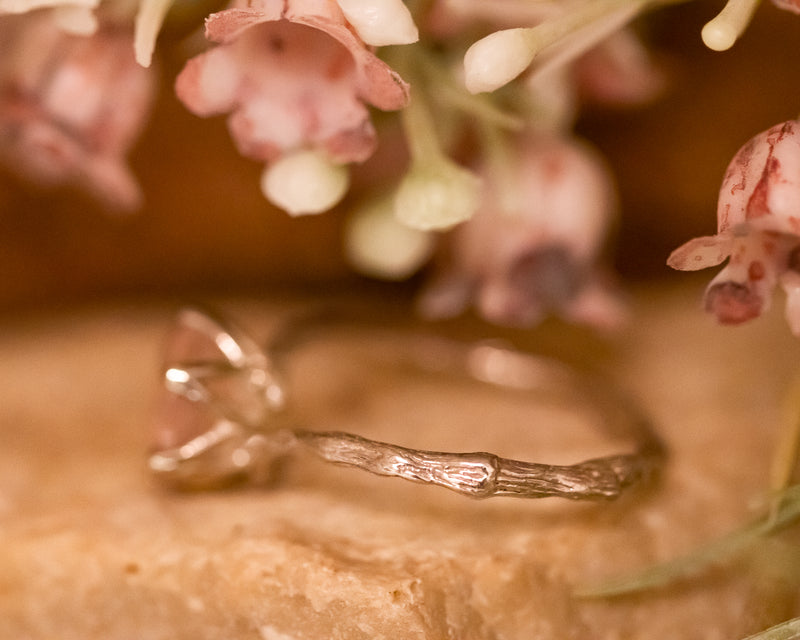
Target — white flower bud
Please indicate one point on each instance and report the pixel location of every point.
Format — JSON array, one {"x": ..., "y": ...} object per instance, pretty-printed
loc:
[
  {"x": 378, "y": 245},
  {"x": 497, "y": 59},
  {"x": 380, "y": 22},
  {"x": 724, "y": 30},
  {"x": 149, "y": 19},
  {"x": 437, "y": 195},
  {"x": 304, "y": 182}
]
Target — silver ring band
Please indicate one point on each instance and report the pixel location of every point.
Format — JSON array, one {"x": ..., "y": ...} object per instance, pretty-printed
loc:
[{"x": 233, "y": 389}]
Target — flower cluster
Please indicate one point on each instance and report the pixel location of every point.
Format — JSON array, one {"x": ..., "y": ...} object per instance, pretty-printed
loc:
[{"x": 470, "y": 103}]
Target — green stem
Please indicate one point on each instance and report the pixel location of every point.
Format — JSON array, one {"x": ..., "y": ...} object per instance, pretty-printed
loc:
[
  {"x": 420, "y": 130},
  {"x": 721, "y": 549}
]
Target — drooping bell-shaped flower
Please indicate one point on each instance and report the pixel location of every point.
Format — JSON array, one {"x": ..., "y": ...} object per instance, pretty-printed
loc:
[
  {"x": 532, "y": 248},
  {"x": 758, "y": 222},
  {"x": 293, "y": 75},
  {"x": 71, "y": 106}
]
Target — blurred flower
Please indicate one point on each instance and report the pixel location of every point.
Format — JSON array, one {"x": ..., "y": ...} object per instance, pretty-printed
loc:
[
  {"x": 293, "y": 75},
  {"x": 533, "y": 246},
  {"x": 436, "y": 193},
  {"x": 377, "y": 244},
  {"x": 71, "y": 106},
  {"x": 758, "y": 221}
]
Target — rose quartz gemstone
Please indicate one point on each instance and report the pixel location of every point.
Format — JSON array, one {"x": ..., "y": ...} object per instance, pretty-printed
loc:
[{"x": 231, "y": 379}]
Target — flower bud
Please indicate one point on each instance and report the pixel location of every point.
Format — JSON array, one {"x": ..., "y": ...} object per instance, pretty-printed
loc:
[
  {"x": 149, "y": 19},
  {"x": 380, "y": 22},
  {"x": 379, "y": 245},
  {"x": 436, "y": 194},
  {"x": 497, "y": 59},
  {"x": 304, "y": 182},
  {"x": 724, "y": 30}
]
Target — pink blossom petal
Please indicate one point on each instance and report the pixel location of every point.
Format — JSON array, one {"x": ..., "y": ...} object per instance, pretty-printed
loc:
[
  {"x": 761, "y": 186},
  {"x": 376, "y": 82},
  {"x": 208, "y": 83},
  {"x": 743, "y": 289},
  {"x": 734, "y": 302},
  {"x": 699, "y": 253}
]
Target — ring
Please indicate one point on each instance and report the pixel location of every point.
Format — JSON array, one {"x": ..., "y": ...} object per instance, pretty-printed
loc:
[{"x": 225, "y": 418}]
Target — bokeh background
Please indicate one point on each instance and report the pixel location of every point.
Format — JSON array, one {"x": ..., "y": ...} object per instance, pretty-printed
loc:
[{"x": 206, "y": 228}]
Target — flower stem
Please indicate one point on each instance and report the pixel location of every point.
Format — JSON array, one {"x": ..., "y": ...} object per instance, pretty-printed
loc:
[
  {"x": 500, "y": 165},
  {"x": 552, "y": 31},
  {"x": 420, "y": 130},
  {"x": 787, "y": 450},
  {"x": 436, "y": 74}
]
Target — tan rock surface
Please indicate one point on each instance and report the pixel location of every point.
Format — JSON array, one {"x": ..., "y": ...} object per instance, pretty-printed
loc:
[{"x": 91, "y": 548}]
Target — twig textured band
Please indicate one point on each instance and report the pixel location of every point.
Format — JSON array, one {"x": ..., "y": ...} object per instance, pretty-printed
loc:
[{"x": 226, "y": 419}]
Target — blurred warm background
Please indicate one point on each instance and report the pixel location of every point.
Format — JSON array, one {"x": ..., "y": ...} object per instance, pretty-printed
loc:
[{"x": 205, "y": 225}]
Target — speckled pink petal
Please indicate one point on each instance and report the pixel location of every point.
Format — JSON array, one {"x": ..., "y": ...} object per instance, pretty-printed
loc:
[
  {"x": 208, "y": 83},
  {"x": 699, "y": 253},
  {"x": 376, "y": 82},
  {"x": 743, "y": 289},
  {"x": 761, "y": 187}
]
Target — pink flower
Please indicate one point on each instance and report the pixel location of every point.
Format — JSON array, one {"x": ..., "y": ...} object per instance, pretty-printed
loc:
[
  {"x": 532, "y": 248},
  {"x": 71, "y": 107},
  {"x": 293, "y": 74},
  {"x": 758, "y": 218},
  {"x": 788, "y": 5}
]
